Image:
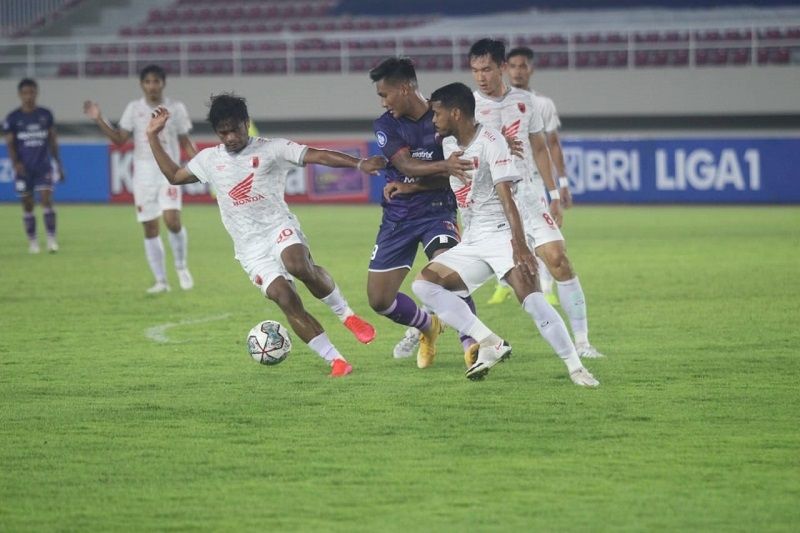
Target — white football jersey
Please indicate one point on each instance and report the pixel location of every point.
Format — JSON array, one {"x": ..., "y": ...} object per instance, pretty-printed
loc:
[
  {"x": 549, "y": 113},
  {"x": 137, "y": 116},
  {"x": 519, "y": 115},
  {"x": 480, "y": 207},
  {"x": 250, "y": 188}
]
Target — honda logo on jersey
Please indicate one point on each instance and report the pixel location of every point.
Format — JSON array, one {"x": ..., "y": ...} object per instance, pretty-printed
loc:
[
  {"x": 240, "y": 193},
  {"x": 511, "y": 130}
]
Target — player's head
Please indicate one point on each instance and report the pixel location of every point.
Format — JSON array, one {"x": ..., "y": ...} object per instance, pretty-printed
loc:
[
  {"x": 28, "y": 90},
  {"x": 228, "y": 116},
  {"x": 452, "y": 104},
  {"x": 487, "y": 59},
  {"x": 519, "y": 63},
  {"x": 153, "y": 79},
  {"x": 396, "y": 83}
]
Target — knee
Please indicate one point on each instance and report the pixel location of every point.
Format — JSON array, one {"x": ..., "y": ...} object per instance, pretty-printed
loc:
[
  {"x": 301, "y": 269},
  {"x": 380, "y": 302},
  {"x": 284, "y": 296},
  {"x": 559, "y": 266}
]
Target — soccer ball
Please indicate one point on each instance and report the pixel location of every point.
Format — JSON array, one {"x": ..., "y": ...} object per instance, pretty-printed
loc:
[{"x": 269, "y": 342}]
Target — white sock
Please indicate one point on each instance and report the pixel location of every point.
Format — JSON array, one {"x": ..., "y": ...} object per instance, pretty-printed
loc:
[
  {"x": 552, "y": 328},
  {"x": 545, "y": 279},
  {"x": 453, "y": 311},
  {"x": 179, "y": 242},
  {"x": 154, "y": 250},
  {"x": 573, "y": 303},
  {"x": 322, "y": 345},
  {"x": 338, "y": 304}
]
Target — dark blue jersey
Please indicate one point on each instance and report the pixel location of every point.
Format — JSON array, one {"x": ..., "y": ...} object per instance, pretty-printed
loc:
[
  {"x": 422, "y": 142},
  {"x": 31, "y": 131}
]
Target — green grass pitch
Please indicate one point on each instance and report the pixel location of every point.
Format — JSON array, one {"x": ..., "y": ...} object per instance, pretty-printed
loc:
[{"x": 695, "y": 426}]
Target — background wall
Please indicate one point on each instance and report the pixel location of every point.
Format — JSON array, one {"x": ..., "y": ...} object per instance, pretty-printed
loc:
[{"x": 640, "y": 92}]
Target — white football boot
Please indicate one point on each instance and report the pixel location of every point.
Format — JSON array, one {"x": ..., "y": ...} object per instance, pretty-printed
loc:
[
  {"x": 583, "y": 378},
  {"x": 407, "y": 345},
  {"x": 488, "y": 357}
]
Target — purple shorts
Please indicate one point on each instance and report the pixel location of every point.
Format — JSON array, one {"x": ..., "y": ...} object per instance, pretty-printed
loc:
[{"x": 397, "y": 241}]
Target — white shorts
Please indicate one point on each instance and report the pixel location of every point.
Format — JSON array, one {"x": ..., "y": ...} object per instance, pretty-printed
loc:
[
  {"x": 152, "y": 193},
  {"x": 540, "y": 228},
  {"x": 265, "y": 266},
  {"x": 477, "y": 257}
]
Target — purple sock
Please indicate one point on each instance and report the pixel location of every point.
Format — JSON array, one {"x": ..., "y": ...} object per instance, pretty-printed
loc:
[
  {"x": 404, "y": 311},
  {"x": 30, "y": 225},
  {"x": 466, "y": 340},
  {"x": 50, "y": 221}
]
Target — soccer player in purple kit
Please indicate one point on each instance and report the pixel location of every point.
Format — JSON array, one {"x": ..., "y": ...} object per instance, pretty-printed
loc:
[
  {"x": 33, "y": 150},
  {"x": 406, "y": 136}
]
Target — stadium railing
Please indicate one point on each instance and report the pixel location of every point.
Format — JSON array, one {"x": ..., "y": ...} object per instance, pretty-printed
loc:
[{"x": 343, "y": 52}]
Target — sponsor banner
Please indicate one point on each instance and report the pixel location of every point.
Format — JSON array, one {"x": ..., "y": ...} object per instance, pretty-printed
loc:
[
  {"x": 85, "y": 168},
  {"x": 601, "y": 170},
  {"x": 677, "y": 170},
  {"x": 309, "y": 184}
]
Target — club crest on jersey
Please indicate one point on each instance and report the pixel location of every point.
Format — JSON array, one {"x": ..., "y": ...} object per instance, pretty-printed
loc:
[
  {"x": 521, "y": 107},
  {"x": 254, "y": 161},
  {"x": 475, "y": 162},
  {"x": 240, "y": 193}
]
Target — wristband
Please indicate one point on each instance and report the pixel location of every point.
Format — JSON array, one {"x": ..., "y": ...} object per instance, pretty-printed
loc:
[
  {"x": 555, "y": 195},
  {"x": 563, "y": 182},
  {"x": 358, "y": 166}
]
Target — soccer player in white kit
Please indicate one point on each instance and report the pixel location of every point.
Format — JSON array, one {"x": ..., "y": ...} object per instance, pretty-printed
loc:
[
  {"x": 494, "y": 242},
  {"x": 517, "y": 114},
  {"x": 152, "y": 194},
  {"x": 249, "y": 175},
  {"x": 520, "y": 70}
]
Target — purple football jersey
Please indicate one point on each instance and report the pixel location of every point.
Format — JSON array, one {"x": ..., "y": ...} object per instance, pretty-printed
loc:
[
  {"x": 30, "y": 138},
  {"x": 420, "y": 137}
]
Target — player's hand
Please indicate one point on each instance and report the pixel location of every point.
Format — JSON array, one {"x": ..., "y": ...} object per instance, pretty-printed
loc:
[
  {"x": 556, "y": 212},
  {"x": 19, "y": 169},
  {"x": 457, "y": 167},
  {"x": 514, "y": 145},
  {"x": 566, "y": 198},
  {"x": 158, "y": 121},
  {"x": 92, "y": 110},
  {"x": 59, "y": 176},
  {"x": 523, "y": 259},
  {"x": 396, "y": 187},
  {"x": 372, "y": 165}
]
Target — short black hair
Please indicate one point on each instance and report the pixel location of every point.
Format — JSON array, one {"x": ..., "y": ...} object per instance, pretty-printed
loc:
[
  {"x": 395, "y": 69},
  {"x": 455, "y": 96},
  {"x": 494, "y": 48},
  {"x": 27, "y": 82},
  {"x": 153, "y": 69},
  {"x": 520, "y": 51},
  {"x": 227, "y": 106}
]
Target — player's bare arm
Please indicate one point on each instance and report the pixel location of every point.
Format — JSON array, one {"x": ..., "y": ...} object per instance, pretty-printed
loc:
[
  {"x": 116, "y": 135},
  {"x": 19, "y": 168},
  {"x": 52, "y": 141},
  {"x": 398, "y": 187},
  {"x": 187, "y": 145},
  {"x": 557, "y": 155},
  {"x": 174, "y": 173},
  {"x": 414, "y": 168},
  {"x": 333, "y": 158},
  {"x": 523, "y": 258},
  {"x": 541, "y": 156}
]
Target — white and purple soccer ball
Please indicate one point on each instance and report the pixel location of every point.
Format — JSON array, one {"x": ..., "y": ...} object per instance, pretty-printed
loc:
[{"x": 269, "y": 342}]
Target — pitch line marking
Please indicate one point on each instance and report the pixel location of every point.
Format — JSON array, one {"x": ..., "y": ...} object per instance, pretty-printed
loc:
[{"x": 159, "y": 333}]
